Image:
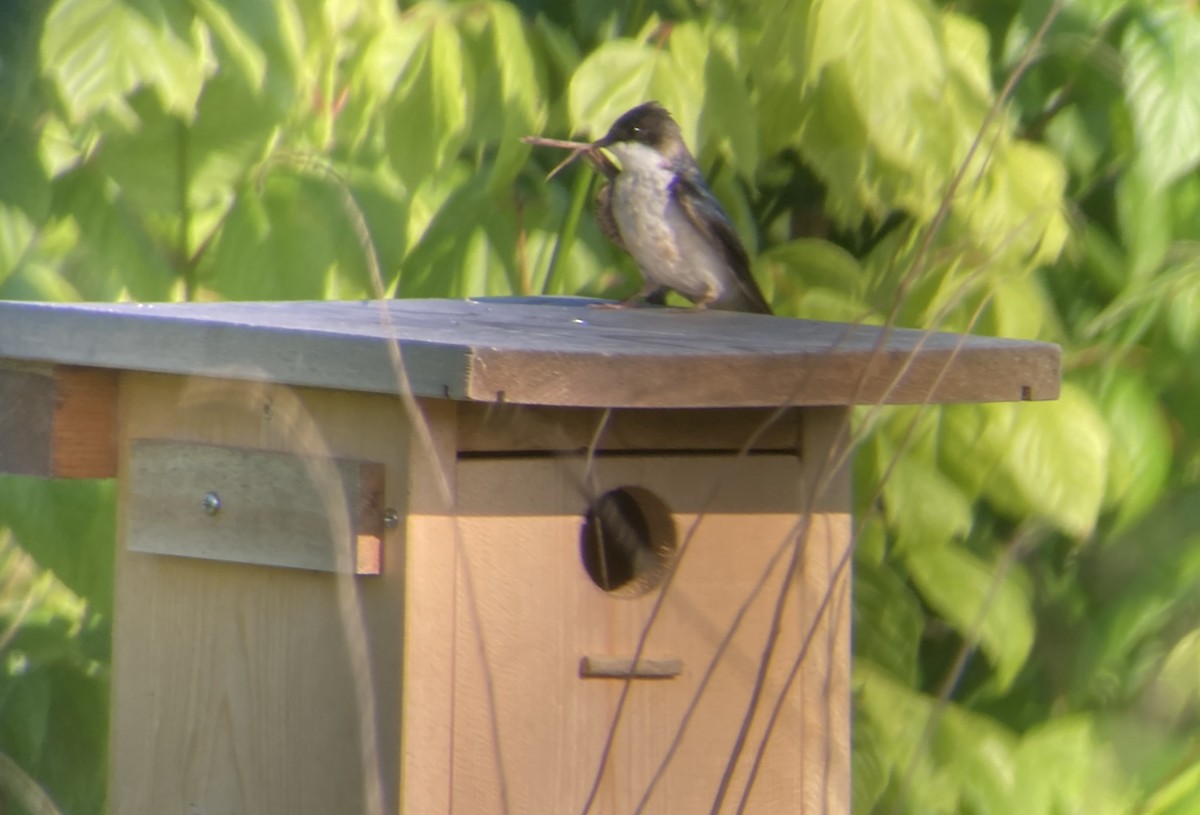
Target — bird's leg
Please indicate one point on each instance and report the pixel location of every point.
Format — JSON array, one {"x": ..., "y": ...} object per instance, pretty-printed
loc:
[
  {"x": 650, "y": 295},
  {"x": 701, "y": 304}
]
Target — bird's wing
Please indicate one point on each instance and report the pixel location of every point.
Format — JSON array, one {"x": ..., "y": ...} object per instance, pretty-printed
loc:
[
  {"x": 706, "y": 215},
  {"x": 604, "y": 216}
]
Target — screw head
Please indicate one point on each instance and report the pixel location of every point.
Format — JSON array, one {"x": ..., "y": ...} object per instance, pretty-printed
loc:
[
  {"x": 391, "y": 518},
  {"x": 211, "y": 503}
]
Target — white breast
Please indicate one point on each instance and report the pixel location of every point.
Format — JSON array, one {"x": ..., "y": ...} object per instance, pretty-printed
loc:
[{"x": 667, "y": 248}]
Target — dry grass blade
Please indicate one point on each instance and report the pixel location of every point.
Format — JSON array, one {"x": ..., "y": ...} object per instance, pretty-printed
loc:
[{"x": 577, "y": 148}]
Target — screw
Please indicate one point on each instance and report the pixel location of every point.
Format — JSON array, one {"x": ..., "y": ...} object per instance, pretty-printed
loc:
[
  {"x": 211, "y": 503},
  {"x": 267, "y": 409},
  {"x": 391, "y": 518}
]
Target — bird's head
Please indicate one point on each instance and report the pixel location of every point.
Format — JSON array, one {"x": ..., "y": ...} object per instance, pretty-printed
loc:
[{"x": 646, "y": 126}]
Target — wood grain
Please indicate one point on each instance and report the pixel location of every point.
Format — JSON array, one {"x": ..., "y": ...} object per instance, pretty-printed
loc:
[
  {"x": 242, "y": 688},
  {"x": 529, "y": 729},
  {"x": 495, "y": 428},
  {"x": 57, "y": 421},
  {"x": 275, "y": 509},
  {"x": 555, "y": 351}
]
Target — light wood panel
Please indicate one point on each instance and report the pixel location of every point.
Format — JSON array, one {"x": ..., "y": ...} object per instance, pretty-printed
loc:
[
  {"x": 243, "y": 688},
  {"x": 529, "y": 729}
]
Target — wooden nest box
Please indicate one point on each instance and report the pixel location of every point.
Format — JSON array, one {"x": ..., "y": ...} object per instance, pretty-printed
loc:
[{"x": 474, "y": 557}]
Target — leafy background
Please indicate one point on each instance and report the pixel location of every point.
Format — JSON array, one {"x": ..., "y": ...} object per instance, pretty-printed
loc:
[{"x": 1026, "y": 574}]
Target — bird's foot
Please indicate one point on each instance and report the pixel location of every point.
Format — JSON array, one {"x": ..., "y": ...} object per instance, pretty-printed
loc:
[{"x": 624, "y": 304}]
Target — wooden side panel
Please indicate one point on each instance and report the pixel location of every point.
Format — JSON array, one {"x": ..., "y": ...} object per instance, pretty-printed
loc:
[
  {"x": 507, "y": 428},
  {"x": 432, "y": 544},
  {"x": 250, "y": 689},
  {"x": 252, "y": 506},
  {"x": 529, "y": 730},
  {"x": 57, "y": 422}
]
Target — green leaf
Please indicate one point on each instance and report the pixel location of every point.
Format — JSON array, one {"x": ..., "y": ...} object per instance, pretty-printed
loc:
[
  {"x": 117, "y": 249},
  {"x": 24, "y": 196},
  {"x": 979, "y": 602},
  {"x": 1141, "y": 449},
  {"x": 1162, "y": 60},
  {"x": 925, "y": 508},
  {"x": 890, "y": 45},
  {"x": 890, "y": 53},
  {"x": 1145, "y": 580},
  {"x": 100, "y": 51},
  {"x": 39, "y": 281},
  {"x": 1144, "y": 219},
  {"x": 1018, "y": 211},
  {"x": 1062, "y": 767},
  {"x": 807, "y": 262},
  {"x": 1176, "y": 687},
  {"x": 509, "y": 101},
  {"x": 244, "y": 52},
  {"x": 1180, "y": 796},
  {"x": 966, "y": 766},
  {"x": 1017, "y": 307},
  {"x": 728, "y": 123},
  {"x": 622, "y": 74},
  {"x": 1046, "y": 460},
  {"x": 870, "y": 767},
  {"x": 1183, "y": 310},
  {"x": 888, "y": 620},
  {"x": 289, "y": 242},
  {"x": 69, "y": 527},
  {"x": 609, "y": 81},
  {"x": 428, "y": 122}
]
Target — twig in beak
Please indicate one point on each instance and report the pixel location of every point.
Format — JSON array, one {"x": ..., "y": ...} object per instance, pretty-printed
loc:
[{"x": 577, "y": 148}]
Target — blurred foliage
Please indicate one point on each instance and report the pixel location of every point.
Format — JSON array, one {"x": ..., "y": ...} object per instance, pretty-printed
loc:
[{"x": 947, "y": 165}]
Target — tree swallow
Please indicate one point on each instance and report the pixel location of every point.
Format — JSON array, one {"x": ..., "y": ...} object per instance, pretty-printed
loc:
[{"x": 658, "y": 208}]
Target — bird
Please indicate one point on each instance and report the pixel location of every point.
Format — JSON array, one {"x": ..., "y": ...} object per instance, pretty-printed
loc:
[{"x": 658, "y": 208}]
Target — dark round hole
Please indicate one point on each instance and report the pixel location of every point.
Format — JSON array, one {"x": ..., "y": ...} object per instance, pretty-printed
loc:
[{"x": 628, "y": 540}]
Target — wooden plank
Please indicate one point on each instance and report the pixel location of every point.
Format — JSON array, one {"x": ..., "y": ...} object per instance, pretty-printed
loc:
[
  {"x": 57, "y": 421},
  {"x": 607, "y": 667},
  {"x": 492, "y": 428},
  {"x": 547, "y": 354},
  {"x": 431, "y": 611},
  {"x": 251, "y": 506},
  {"x": 238, "y": 688}
]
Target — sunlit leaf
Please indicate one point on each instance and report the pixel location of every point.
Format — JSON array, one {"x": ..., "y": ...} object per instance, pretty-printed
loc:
[
  {"x": 728, "y": 122},
  {"x": 622, "y": 74},
  {"x": 890, "y": 52},
  {"x": 243, "y": 50},
  {"x": 118, "y": 248},
  {"x": 925, "y": 508},
  {"x": 289, "y": 242},
  {"x": 99, "y": 51},
  {"x": 1039, "y": 459},
  {"x": 1141, "y": 449},
  {"x": 1017, "y": 307},
  {"x": 980, "y": 601},
  {"x": 428, "y": 121},
  {"x": 1162, "y": 59},
  {"x": 888, "y": 621},
  {"x": 24, "y": 196},
  {"x": 1143, "y": 215}
]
